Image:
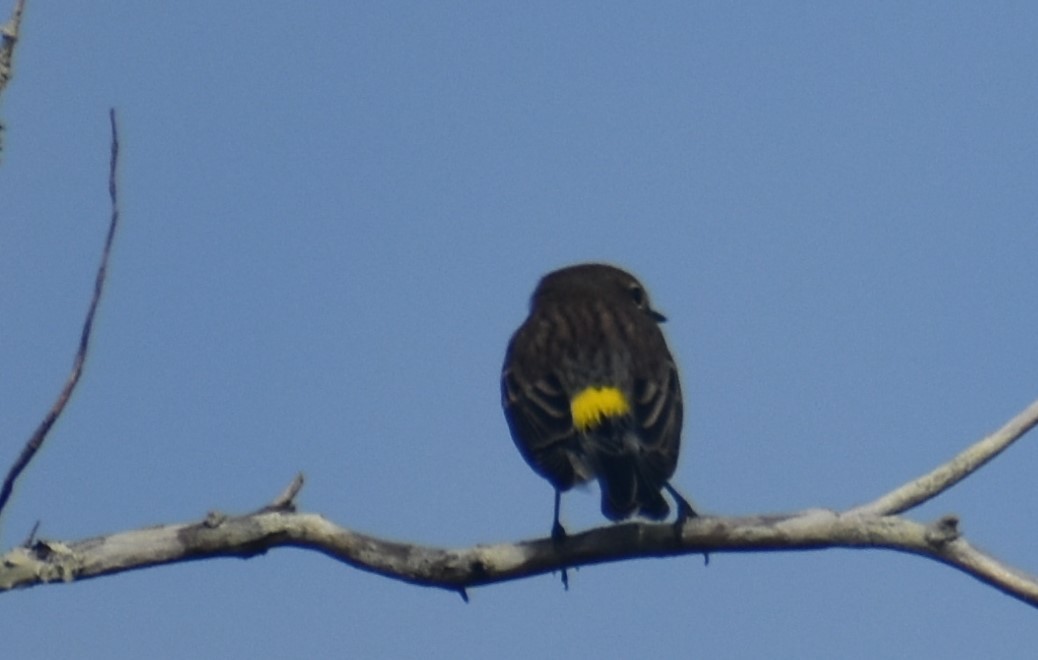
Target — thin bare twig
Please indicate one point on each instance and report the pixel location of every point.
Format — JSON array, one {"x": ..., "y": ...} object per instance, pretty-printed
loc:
[
  {"x": 286, "y": 501},
  {"x": 947, "y": 475},
  {"x": 36, "y": 441},
  {"x": 8, "y": 38}
]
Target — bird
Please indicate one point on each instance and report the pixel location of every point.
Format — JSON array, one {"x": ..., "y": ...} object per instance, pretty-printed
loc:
[{"x": 590, "y": 391}]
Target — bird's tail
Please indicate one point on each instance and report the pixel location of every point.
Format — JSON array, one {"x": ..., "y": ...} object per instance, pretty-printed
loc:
[{"x": 627, "y": 490}]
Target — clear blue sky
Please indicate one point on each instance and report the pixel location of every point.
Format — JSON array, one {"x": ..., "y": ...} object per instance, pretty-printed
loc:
[{"x": 334, "y": 216}]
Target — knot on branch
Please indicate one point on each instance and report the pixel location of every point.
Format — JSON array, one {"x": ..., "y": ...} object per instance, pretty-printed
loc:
[
  {"x": 944, "y": 530},
  {"x": 214, "y": 519}
]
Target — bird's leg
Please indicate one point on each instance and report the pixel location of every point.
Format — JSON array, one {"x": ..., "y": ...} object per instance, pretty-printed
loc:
[
  {"x": 685, "y": 513},
  {"x": 685, "y": 510},
  {"x": 558, "y": 535}
]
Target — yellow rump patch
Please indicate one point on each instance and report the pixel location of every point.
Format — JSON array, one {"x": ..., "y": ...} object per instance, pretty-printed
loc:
[{"x": 595, "y": 403}]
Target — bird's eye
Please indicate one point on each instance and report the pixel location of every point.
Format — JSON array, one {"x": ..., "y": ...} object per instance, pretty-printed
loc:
[{"x": 638, "y": 296}]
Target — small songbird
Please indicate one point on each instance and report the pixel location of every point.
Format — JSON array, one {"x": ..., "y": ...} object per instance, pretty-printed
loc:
[{"x": 590, "y": 391}]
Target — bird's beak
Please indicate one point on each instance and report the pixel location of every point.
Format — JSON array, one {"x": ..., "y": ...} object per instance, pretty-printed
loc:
[{"x": 659, "y": 318}]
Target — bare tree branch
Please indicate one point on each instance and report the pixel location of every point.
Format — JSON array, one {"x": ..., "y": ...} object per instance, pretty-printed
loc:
[
  {"x": 947, "y": 475},
  {"x": 36, "y": 441},
  {"x": 459, "y": 569},
  {"x": 277, "y": 525}
]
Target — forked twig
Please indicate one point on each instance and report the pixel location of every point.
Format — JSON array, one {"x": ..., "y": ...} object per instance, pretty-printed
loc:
[{"x": 946, "y": 475}]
